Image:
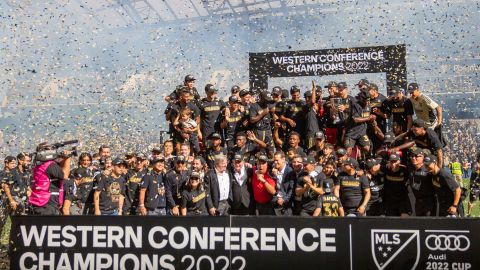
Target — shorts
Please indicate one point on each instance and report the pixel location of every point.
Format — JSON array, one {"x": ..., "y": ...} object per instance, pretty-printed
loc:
[{"x": 363, "y": 141}]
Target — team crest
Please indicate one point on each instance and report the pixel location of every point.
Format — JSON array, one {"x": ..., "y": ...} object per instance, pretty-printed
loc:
[{"x": 387, "y": 245}]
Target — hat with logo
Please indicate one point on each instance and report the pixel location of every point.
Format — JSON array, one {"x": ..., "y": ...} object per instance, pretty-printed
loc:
[
  {"x": 215, "y": 136},
  {"x": 341, "y": 152},
  {"x": 430, "y": 159},
  {"x": 294, "y": 89},
  {"x": 331, "y": 84},
  {"x": 189, "y": 78},
  {"x": 209, "y": 88},
  {"x": 351, "y": 162},
  {"x": 263, "y": 158},
  {"x": 233, "y": 99},
  {"x": 319, "y": 135},
  {"x": 309, "y": 160},
  {"x": 412, "y": 87},
  {"x": 394, "y": 157},
  {"x": 363, "y": 82},
  {"x": 235, "y": 89},
  {"x": 342, "y": 85},
  {"x": 277, "y": 91},
  {"x": 245, "y": 92},
  {"x": 371, "y": 162},
  {"x": 119, "y": 161},
  {"x": 238, "y": 157}
]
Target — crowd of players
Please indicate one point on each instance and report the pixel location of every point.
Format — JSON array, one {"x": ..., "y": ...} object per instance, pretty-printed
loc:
[{"x": 338, "y": 152}]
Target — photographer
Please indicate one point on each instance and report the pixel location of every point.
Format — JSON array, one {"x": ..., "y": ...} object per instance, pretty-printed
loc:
[{"x": 49, "y": 173}]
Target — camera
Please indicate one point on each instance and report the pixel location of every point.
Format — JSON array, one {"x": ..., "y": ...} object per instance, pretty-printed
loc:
[{"x": 46, "y": 152}]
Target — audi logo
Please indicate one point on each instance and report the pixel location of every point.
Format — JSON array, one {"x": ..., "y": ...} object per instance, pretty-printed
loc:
[{"x": 450, "y": 242}]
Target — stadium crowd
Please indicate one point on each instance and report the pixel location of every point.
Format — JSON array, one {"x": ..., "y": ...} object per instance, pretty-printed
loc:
[{"x": 340, "y": 152}]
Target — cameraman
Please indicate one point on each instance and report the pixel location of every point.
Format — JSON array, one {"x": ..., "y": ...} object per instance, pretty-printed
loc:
[{"x": 47, "y": 184}]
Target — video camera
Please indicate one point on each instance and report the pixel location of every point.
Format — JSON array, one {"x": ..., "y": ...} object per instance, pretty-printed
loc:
[{"x": 48, "y": 152}]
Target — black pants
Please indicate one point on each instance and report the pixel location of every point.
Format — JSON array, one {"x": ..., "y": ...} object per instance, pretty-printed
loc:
[
  {"x": 264, "y": 209},
  {"x": 241, "y": 210},
  {"x": 46, "y": 210},
  {"x": 425, "y": 207}
]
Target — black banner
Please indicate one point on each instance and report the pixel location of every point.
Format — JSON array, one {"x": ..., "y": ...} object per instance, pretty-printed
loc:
[
  {"x": 388, "y": 59},
  {"x": 86, "y": 242}
]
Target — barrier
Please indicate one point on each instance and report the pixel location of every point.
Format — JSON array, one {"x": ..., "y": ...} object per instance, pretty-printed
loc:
[{"x": 88, "y": 242}]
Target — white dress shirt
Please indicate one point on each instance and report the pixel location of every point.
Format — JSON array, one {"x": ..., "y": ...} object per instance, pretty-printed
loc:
[{"x": 223, "y": 184}]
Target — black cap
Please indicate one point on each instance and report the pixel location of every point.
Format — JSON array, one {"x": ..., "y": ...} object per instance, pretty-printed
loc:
[
  {"x": 309, "y": 160},
  {"x": 307, "y": 94},
  {"x": 80, "y": 173},
  {"x": 277, "y": 91},
  {"x": 319, "y": 135},
  {"x": 155, "y": 160},
  {"x": 430, "y": 159},
  {"x": 373, "y": 86},
  {"x": 342, "y": 85},
  {"x": 417, "y": 151},
  {"x": 389, "y": 137},
  {"x": 363, "y": 82},
  {"x": 189, "y": 78},
  {"x": 130, "y": 155},
  {"x": 245, "y": 92},
  {"x": 351, "y": 162},
  {"x": 341, "y": 152},
  {"x": 233, "y": 99},
  {"x": 142, "y": 156},
  {"x": 395, "y": 90},
  {"x": 215, "y": 136},
  {"x": 118, "y": 161},
  {"x": 195, "y": 175},
  {"x": 209, "y": 88},
  {"x": 412, "y": 87},
  {"x": 394, "y": 157},
  {"x": 9, "y": 159},
  {"x": 266, "y": 96},
  {"x": 263, "y": 158},
  {"x": 157, "y": 149},
  {"x": 184, "y": 89},
  {"x": 294, "y": 89},
  {"x": 235, "y": 89},
  {"x": 238, "y": 157},
  {"x": 418, "y": 123},
  {"x": 371, "y": 162},
  {"x": 180, "y": 159},
  {"x": 331, "y": 84},
  {"x": 241, "y": 134}
]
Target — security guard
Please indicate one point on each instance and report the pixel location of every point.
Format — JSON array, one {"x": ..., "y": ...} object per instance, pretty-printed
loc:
[
  {"x": 456, "y": 169},
  {"x": 152, "y": 200}
]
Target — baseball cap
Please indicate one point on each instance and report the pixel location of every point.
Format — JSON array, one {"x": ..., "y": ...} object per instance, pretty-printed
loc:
[
  {"x": 155, "y": 160},
  {"x": 363, "y": 82},
  {"x": 157, "y": 149},
  {"x": 142, "y": 156},
  {"x": 430, "y": 159},
  {"x": 364, "y": 95},
  {"x": 371, "y": 162},
  {"x": 294, "y": 88},
  {"x": 80, "y": 173},
  {"x": 233, "y": 99},
  {"x": 195, "y": 175},
  {"x": 263, "y": 158},
  {"x": 389, "y": 137},
  {"x": 235, "y": 89},
  {"x": 342, "y": 85},
  {"x": 417, "y": 151},
  {"x": 307, "y": 94},
  {"x": 266, "y": 96},
  {"x": 245, "y": 92},
  {"x": 319, "y": 135},
  {"x": 351, "y": 162},
  {"x": 393, "y": 157},
  {"x": 209, "y": 88},
  {"x": 309, "y": 160},
  {"x": 412, "y": 87},
  {"x": 118, "y": 161},
  {"x": 341, "y": 152},
  {"x": 238, "y": 157},
  {"x": 215, "y": 136},
  {"x": 331, "y": 84},
  {"x": 277, "y": 91},
  {"x": 189, "y": 78},
  {"x": 395, "y": 89},
  {"x": 180, "y": 159}
]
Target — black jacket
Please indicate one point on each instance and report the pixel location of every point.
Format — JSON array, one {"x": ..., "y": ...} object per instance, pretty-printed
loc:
[
  {"x": 286, "y": 186},
  {"x": 211, "y": 185},
  {"x": 242, "y": 194}
]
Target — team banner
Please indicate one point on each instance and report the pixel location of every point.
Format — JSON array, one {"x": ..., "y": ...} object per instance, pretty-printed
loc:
[
  {"x": 87, "y": 242},
  {"x": 378, "y": 59}
]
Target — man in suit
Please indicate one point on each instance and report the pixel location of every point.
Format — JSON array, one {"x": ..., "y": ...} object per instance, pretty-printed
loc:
[
  {"x": 218, "y": 186},
  {"x": 285, "y": 177},
  {"x": 242, "y": 194}
]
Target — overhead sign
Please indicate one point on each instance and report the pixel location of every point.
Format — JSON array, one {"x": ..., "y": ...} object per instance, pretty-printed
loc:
[
  {"x": 387, "y": 59},
  {"x": 88, "y": 242}
]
